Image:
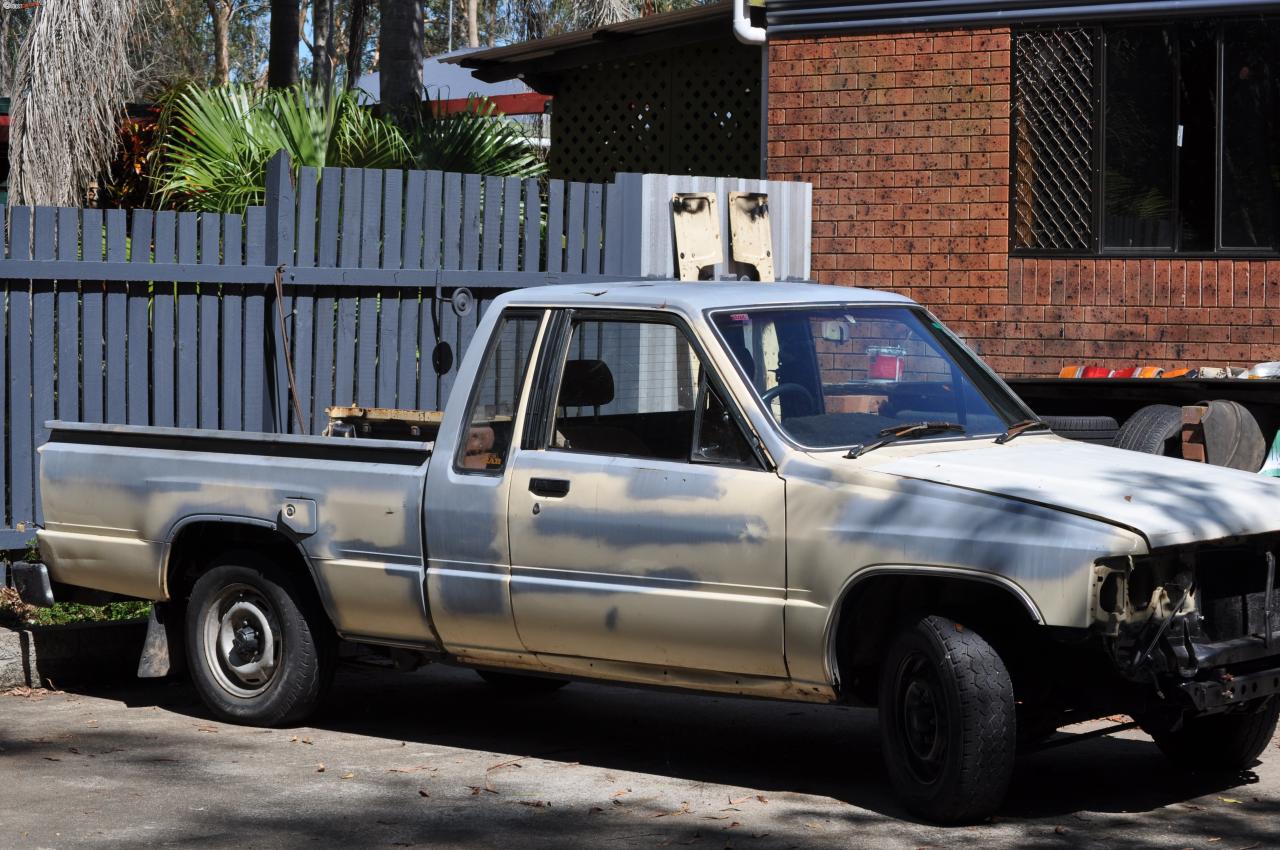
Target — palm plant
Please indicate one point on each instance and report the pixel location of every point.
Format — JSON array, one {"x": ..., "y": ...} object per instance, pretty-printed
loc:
[
  {"x": 476, "y": 140},
  {"x": 218, "y": 141}
]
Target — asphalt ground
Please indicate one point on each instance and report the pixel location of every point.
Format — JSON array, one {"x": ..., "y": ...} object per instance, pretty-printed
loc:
[{"x": 439, "y": 759}]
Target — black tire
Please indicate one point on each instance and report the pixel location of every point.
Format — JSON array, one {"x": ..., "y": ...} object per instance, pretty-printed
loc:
[
  {"x": 1219, "y": 742},
  {"x": 1232, "y": 437},
  {"x": 245, "y": 609},
  {"x": 1087, "y": 429},
  {"x": 1155, "y": 430},
  {"x": 518, "y": 683},
  {"x": 947, "y": 721}
]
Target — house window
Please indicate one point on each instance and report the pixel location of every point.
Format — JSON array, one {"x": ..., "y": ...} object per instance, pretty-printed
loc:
[{"x": 1173, "y": 147}]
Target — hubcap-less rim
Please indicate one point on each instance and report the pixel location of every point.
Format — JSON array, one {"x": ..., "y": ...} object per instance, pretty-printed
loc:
[
  {"x": 242, "y": 640},
  {"x": 922, "y": 718}
]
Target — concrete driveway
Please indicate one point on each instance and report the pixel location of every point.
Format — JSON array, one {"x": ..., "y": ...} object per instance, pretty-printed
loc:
[{"x": 439, "y": 759}]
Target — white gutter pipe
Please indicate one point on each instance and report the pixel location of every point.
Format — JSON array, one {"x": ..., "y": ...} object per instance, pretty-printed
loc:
[{"x": 742, "y": 28}]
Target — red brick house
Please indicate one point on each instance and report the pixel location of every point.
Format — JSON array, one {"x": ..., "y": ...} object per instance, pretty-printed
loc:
[
  {"x": 1076, "y": 184},
  {"x": 1062, "y": 181}
]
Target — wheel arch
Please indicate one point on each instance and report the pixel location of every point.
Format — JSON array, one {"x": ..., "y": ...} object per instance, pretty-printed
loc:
[
  {"x": 188, "y": 552},
  {"x": 885, "y": 592}
]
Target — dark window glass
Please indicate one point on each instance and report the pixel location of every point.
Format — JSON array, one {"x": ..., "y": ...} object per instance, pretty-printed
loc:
[
  {"x": 1139, "y": 107},
  {"x": 1196, "y": 135},
  {"x": 1251, "y": 136}
]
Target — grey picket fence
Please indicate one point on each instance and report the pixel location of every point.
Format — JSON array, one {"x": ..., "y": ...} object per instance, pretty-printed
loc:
[{"x": 161, "y": 318}]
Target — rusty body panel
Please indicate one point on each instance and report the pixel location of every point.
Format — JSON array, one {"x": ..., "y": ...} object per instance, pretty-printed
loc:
[{"x": 664, "y": 572}]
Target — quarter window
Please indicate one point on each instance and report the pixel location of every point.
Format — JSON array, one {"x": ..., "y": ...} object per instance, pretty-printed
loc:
[{"x": 496, "y": 399}]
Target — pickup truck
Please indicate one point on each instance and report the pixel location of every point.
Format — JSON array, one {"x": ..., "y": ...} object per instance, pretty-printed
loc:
[{"x": 787, "y": 491}]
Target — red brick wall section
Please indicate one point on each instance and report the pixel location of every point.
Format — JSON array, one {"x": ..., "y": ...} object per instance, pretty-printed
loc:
[{"x": 905, "y": 138}]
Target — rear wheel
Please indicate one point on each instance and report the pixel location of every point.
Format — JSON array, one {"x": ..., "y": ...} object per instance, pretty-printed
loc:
[
  {"x": 1221, "y": 742},
  {"x": 947, "y": 721},
  {"x": 518, "y": 683},
  {"x": 261, "y": 652}
]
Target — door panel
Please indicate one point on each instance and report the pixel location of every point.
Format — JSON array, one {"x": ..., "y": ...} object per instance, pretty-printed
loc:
[
  {"x": 622, "y": 548},
  {"x": 650, "y": 561}
]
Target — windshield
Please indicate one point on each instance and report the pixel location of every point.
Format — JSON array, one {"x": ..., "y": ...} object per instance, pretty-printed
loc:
[{"x": 835, "y": 376}]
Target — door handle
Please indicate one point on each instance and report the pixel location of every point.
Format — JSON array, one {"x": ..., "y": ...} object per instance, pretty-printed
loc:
[{"x": 549, "y": 486}]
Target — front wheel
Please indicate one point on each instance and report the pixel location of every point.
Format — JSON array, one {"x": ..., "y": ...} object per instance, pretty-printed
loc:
[
  {"x": 947, "y": 721},
  {"x": 261, "y": 652},
  {"x": 1219, "y": 742}
]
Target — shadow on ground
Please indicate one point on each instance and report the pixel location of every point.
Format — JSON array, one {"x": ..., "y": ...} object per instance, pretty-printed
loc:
[{"x": 775, "y": 747}]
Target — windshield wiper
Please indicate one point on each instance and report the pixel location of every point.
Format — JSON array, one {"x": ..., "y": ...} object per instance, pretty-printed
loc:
[
  {"x": 901, "y": 432},
  {"x": 1019, "y": 427}
]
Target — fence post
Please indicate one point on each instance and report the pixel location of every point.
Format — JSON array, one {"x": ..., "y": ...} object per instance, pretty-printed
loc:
[{"x": 281, "y": 216}]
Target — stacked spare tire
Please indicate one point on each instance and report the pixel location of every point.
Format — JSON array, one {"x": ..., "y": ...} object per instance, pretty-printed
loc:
[{"x": 1221, "y": 433}]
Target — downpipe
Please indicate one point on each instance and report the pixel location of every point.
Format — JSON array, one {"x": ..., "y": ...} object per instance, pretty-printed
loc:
[{"x": 742, "y": 28}]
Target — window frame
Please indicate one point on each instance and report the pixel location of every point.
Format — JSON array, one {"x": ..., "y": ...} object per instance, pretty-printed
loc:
[
  {"x": 521, "y": 404},
  {"x": 539, "y": 426},
  {"x": 1098, "y": 250}
]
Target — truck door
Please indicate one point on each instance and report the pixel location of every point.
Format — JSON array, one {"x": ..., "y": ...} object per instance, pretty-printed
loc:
[{"x": 643, "y": 527}]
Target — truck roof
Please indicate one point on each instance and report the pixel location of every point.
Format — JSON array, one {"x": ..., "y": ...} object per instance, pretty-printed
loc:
[{"x": 694, "y": 297}]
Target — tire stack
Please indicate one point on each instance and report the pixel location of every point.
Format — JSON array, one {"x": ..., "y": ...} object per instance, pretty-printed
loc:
[
  {"x": 1087, "y": 429},
  {"x": 1231, "y": 435}
]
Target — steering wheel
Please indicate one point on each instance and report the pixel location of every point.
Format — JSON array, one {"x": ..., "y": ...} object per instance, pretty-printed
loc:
[{"x": 797, "y": 389}]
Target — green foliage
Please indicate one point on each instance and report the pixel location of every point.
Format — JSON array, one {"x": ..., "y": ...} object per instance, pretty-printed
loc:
[
  {"x": 218, "y": 141},
  {"x": 63, "y": 613},
  {"x": 476, "y": 140},
  {"x": 14, "y": 613}
]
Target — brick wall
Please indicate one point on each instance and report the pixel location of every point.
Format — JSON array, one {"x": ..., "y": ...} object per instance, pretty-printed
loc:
[{"x": 905, "y": 138}]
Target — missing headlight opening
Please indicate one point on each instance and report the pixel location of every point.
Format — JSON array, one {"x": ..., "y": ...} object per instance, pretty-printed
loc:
[{"x": 1187, "y": 610}]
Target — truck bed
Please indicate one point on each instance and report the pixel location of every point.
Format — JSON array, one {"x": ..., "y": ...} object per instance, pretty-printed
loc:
[{"x": 119, "y": 497}]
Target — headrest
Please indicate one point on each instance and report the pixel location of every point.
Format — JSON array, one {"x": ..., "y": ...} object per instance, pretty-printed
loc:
[{"x": 586, "y": 383}]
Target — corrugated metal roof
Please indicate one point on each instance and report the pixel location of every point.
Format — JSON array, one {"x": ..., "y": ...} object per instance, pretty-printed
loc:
[
  {"x": 818, "y": 17},
  {"x": 442, "y": 77}
]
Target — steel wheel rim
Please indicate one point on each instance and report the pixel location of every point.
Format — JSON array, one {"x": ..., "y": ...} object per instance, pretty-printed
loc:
[
  {"x": 922, "y": 719},
  {"x": 242, "y": 644}
]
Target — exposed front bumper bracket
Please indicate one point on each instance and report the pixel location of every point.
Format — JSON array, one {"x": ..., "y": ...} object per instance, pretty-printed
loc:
[
  {"x": 32, "y": 583},
  {"x": 1232, "y": 690}
]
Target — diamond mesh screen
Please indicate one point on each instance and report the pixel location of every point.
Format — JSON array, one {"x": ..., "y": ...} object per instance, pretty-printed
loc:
[
  {"x": 686, "y": 110},
  {"x": 1053, "y": 115}
]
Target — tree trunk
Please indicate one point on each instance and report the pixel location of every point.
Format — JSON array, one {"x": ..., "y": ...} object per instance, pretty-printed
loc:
[
  {"x": 282, "y": 54},
  {"x": 401, "y": 60},
  {"x": 322, "y": 45},
  {"x": 473, "y": 23},
  {"x": 355, "y": 42},
  {"x": 220, "y": 13}
]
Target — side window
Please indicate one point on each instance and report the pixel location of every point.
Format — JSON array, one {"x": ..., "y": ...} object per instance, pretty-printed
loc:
[
  {"x": 634, "y": 389},
  {"x": 719, "y": 439},
  {"x": 491, "y": 419}
]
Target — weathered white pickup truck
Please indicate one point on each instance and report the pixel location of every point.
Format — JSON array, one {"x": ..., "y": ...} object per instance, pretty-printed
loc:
[{"x": 787, "y": 491}]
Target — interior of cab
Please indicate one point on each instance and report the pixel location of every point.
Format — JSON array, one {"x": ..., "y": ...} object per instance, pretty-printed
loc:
[{"x": 838, "y": 376}]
